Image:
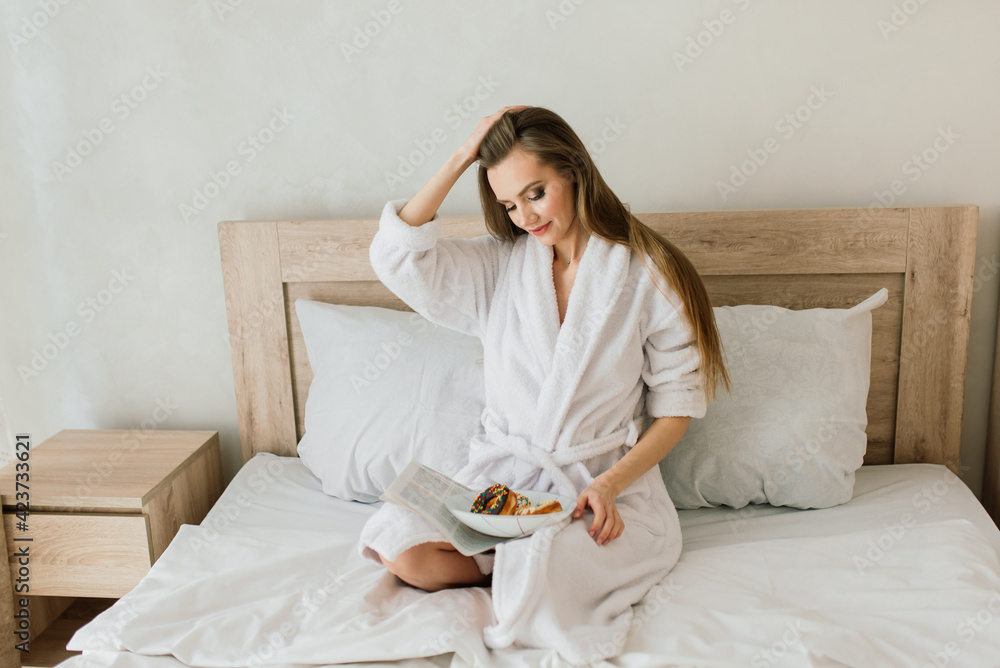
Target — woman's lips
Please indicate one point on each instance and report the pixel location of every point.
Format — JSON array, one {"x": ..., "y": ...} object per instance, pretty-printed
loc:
[{"x": 540, "y": 230}]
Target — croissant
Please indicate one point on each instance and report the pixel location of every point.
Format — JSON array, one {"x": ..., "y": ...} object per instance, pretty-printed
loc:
[{"x": 542, "y": 508}]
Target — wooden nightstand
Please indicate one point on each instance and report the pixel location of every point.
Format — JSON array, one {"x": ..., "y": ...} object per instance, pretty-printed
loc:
[{"x": 103, "y": 507}]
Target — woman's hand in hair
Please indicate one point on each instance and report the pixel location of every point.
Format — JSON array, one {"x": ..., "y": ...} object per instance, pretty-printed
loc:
[
  {"x": 470, "y": 148},
  {"x": 422, "y": 206}
]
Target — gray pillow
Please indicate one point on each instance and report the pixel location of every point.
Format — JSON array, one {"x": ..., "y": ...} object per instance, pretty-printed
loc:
[{"x": 792, "y": 432}]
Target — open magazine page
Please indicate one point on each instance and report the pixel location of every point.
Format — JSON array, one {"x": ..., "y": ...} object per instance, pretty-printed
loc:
[{"x": 423, "y": 490}]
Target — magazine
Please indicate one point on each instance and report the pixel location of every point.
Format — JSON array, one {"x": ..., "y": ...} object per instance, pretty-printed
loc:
[{"x": 424, "y": 491}]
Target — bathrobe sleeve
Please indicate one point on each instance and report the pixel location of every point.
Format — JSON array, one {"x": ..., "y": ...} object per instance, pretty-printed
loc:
[
  {"x": 671, "y": 362},
  {"x": 448, "y": 281}
]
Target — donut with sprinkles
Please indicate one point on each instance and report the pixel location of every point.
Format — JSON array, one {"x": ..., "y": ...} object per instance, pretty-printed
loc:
[{"x": 491, "y": 500}]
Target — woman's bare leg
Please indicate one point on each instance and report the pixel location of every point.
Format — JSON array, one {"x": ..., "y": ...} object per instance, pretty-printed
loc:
[{"x": 435, "y": 566}]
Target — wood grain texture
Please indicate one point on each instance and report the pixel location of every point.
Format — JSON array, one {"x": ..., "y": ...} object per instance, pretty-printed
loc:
[
  {"x": 796, "y": 258},
  {"x": 44, "y": 611},
  {"x": 251, "y": 273},
  {"x": 795, "y": 241},
  {"x": 104, "y": 505},
  {"x": 105, "y": 470},
  {"x": 50, "y": 649},
  {"x": 940, "y": 262},
  {"x": 190, "y": 494},
  {"x": 991, "y": 472},
  {"x": 337, "y": 250},
  {"x": 75, "y": 554},
  {"x": 10, "y": 657}
]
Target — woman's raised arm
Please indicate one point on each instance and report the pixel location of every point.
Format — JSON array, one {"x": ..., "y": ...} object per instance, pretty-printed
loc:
[{"x": 422, "y": 206}]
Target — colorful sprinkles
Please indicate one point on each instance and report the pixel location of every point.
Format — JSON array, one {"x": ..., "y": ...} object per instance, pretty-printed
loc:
[{"x": 491, "y": 500}]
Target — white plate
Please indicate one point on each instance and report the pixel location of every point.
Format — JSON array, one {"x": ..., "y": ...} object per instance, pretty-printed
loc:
[{"x": 507, "y": 526}]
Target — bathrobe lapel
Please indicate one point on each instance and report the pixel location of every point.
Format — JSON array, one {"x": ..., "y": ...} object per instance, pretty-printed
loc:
[
  {"x": 602, "y": 274},
  {"x": 537, "y": 300}
]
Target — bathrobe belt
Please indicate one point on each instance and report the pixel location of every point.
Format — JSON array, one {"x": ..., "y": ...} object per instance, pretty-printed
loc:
[{"x": 500, "y": 443}]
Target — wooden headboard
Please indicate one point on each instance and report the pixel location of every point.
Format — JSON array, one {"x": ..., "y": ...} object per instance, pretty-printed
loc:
[{"x": 796, "y": 258}]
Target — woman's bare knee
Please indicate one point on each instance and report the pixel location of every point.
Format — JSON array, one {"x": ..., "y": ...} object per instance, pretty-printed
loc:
[
  {"x": 385, "y": 562},
  {"x": 409, "y": 563},
  {"x": 432, "y": 567}
]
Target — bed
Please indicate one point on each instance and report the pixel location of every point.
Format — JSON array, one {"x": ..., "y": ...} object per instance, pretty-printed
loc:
[{"x": 905, "y": 573}]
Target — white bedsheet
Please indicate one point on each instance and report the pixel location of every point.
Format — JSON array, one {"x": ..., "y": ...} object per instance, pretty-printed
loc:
[{"x": 907, "y": 573}]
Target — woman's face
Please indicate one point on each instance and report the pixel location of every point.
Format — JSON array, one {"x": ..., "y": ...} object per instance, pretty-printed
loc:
[{"x": 535, "y": 195}]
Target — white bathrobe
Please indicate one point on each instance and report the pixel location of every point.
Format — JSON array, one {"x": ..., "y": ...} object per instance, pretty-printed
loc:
[{"x": 564, "y": 403}]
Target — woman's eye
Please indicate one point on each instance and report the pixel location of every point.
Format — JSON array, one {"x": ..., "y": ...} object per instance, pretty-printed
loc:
[{"x": 537, "y": 197}]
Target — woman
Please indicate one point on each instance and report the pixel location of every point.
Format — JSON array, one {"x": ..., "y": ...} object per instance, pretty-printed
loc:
[{"x": 580, "y": 343}]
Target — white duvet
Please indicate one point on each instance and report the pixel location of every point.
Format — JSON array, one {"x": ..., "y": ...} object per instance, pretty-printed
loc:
[{"x": 906, "y": 574}]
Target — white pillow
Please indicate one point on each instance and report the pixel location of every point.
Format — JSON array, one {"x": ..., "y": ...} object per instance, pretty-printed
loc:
[
  {"x": 389, "y": 387},
  {"x": 792, "y": 432}
]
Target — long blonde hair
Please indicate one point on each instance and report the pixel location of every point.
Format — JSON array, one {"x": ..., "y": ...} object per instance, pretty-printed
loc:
[{"x": 545, "y": 135}]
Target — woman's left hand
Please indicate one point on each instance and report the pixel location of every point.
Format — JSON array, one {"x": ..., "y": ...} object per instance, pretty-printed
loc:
[{"x": 608, "y": 524}]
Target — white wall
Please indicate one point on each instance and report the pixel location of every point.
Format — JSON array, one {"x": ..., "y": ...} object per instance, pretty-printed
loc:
[{"x": 211, "y": 73}]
